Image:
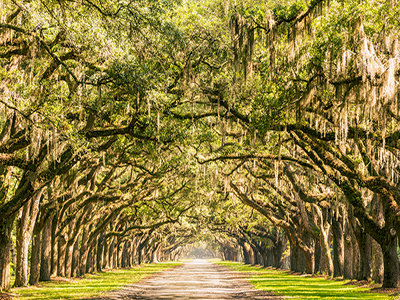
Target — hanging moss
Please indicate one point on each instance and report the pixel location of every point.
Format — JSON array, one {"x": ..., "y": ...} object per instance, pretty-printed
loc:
[{"x": 242, "y": 35}]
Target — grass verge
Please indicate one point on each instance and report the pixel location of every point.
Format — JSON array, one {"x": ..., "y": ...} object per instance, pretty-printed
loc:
[
  {"x": 302, "y": 287},
  {"x": 92, "y": 285}
]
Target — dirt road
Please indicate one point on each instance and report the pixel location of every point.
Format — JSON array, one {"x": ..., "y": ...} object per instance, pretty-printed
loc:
[{"x": 198, "y": 279}]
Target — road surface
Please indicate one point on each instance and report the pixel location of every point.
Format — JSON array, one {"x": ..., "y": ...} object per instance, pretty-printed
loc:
[{"x": 198, "y": 279}]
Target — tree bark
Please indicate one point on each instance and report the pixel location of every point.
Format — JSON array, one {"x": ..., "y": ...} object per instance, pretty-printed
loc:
[
  {"x": 317, "y": 254},
  {"x": 265, "y": 260},
  {"x": 310, "y": 262},
  {"x": 134, "y": 251},
  {"x": 5, "y": 248},
  {"x": 91, "y": 260},
  {"x": 309, "y": 253},
  {"x": 255, "y": 256},
  {"x": 119, "y": 253},
  {"x": 45, "y": 260},
  {"x": 25, "y": 226},
  {"x": 124, "y": 255},
  {"x": 75, "y": 259},
  {"x": 141, "y": 246},
  {"x": 377, "y": 256},
  {"x": 391, "y": 262},
  {"x": 356, "y": 258},
  {"x": 270, "y": 258},
  {"x": 246, "y": 254},
  {"x": 338, "y": 246},
  {"x": 111, "y": 253},
  {"x": 348, "y": 249},
  {"x": 114, "y": 254},
  {"x": 69, "y": 252},
  {"x": 83, "y": 252},
  {"x": 35, "y": 256},
  {"x": 377, "y": 262},
  {"x": 155, "y": 256},
  {"x": 100, "y": 250},
  {"x": 22, "y": 244},
  {"x": 367, "y": 261},
  {"x": 54, "y": 245},
  {"x": 326, "y": 258},
  {"x": 106, "y": 255},
  {"x": 62, "y": 246},
  {"x": 364, "y": 247},
  {"x": 348, "y": 259},
  {"x": 279, "y": 252},
  {"x": 297, "y": 259}
]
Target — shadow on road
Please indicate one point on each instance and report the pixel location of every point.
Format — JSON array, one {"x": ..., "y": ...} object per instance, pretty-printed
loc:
[{"x": 198, "y": 279}]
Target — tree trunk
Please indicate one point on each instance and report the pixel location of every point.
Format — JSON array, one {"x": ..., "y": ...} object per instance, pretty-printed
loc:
[
  {"x": 119, "y": 253},
  {"x": 22, "y": 246},
  {"x": 91, "y": 260},
  {"x": 310, "y": 262},
  {"x": 25, "y": 226},
  {"x": 246, "y": 254},
  {"x": 364, "y": 246},
  {"x": 326, "y": 258},
  {"x": 129, "y": 254},
  {"x": 309, "y": 253},
  {"x": 111, "y": 254},
  {"x": 125, "y": 255},
  {"x": 83, "y": 252},
  {"x": 264, "y": 257},
  {"x": 273, "y": 253},
  {"x": 356, "y": 259},
  {"x": 338, "y": 247},
  {"x": 377, "y": 213},
  {"x": 255, "y": 256},
  {"x": 377, "y": 262},
  {"x": 356, "y": 235},
  {"x": 154, "y": 256},
  {"x": 235, "y": 256},
  {"x": 391, "y": 262},
  {"x": 71, "y": 238},
  {"x": 75, "y": 259},
  {"x": 141, "y": 246},
  {"x": 348, "y": 259},
  {"x": 293, "y": 261},
  {"x": 270, "y": 257},
  {"x": 69, "y": 252},
  {"x": 54, "y": 245},
  {"x": 62, "y": 246},
  {"x": 279, "y": 252},
  {"x": 114, "y": 255},
  {"x": 348, "y": 249},
  {"x": 45, "y": 260},
  {"x": 5, "y": 248},
  {"x": 106, "y": 255},
  {"x": 99, "y": 258},
  {"x": 134, "y": 251},
  {"x": 35, "y": 256},
  {"x": 317, "y": 254},
  {"x": 285, "y": 258},
  {"x": 298, "y": 259}
]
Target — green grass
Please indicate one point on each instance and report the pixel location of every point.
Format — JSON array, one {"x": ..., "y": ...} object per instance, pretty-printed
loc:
[
  {"x": 92, "y": 285},
  {"x": 301, "y": 287}
]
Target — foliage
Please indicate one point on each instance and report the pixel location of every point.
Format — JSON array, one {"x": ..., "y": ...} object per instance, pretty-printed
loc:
[{"x": 172, "y": 121}]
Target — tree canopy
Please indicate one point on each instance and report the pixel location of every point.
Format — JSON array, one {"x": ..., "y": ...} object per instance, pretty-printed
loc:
[{"x": 131, "y": 130}]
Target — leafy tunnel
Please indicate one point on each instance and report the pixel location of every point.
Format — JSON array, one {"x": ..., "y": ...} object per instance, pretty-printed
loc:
[{"x": 139, "y": 131}]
